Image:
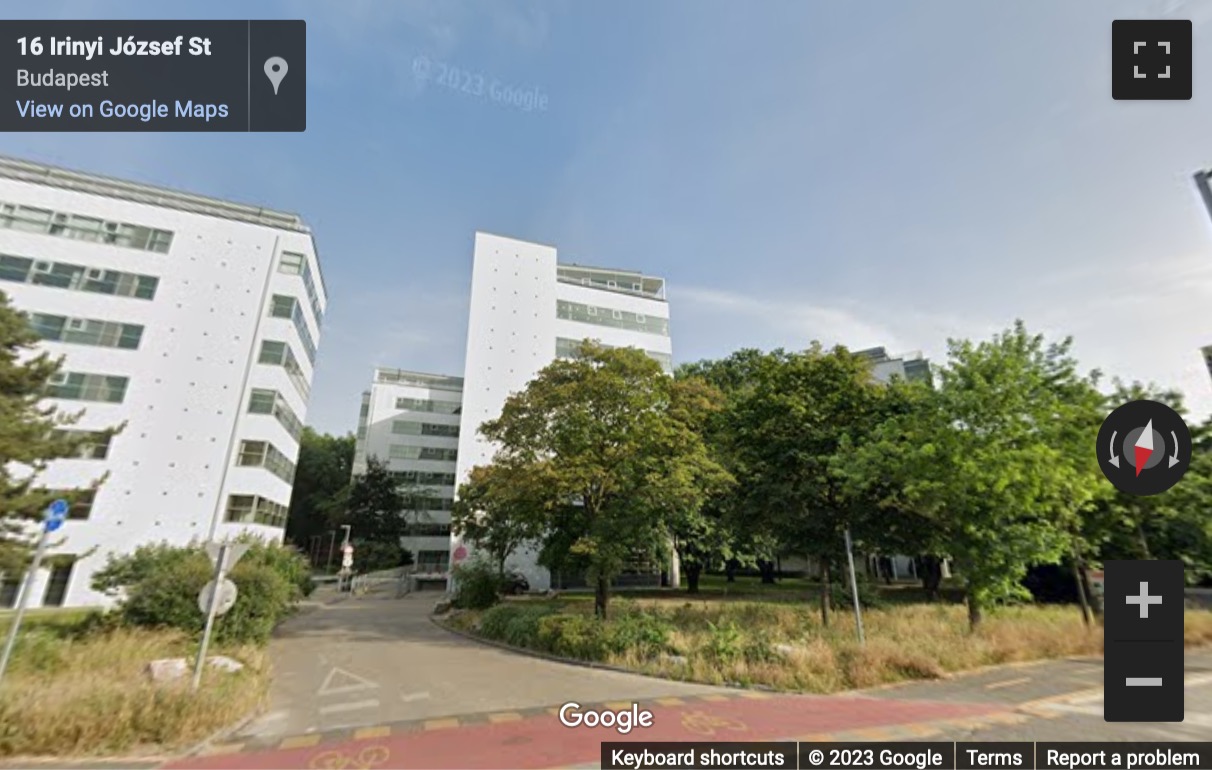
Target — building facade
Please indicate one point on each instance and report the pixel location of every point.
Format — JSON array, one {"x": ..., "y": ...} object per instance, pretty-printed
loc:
[
  {"x": 410, "y": 422},
  {"x": 192, "y": 321},
  {"x": 910, "y": 366},
  {"x": 527, "y": 310}
]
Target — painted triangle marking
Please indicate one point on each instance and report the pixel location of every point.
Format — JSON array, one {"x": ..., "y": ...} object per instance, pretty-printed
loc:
[{"x": 341, "y": 681}]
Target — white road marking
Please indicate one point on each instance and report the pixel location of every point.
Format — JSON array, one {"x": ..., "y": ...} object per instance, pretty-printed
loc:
[
  {"x": 356, "y": 706},
  {"x": 349, "y": 683},
  {"x": 409, "y": 697}
]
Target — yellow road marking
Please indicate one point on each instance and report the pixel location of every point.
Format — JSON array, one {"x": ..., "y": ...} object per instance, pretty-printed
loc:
[
  {"x": 379, "y": 731},
  {"x": 300, "y": 741},
  {"x": 505, "y": 716},
  {"x": 671, "y": 701},
  {"x": 441, "y": 724},
  {"x": 872, "y": 734},
  {"x": 754, "y": 695},
  {"x": 714, "y": 698},
  {"x": 223, "y": 748},
  {"x": 1007, "y": 683},
  {"x": 619, "y": 705}
]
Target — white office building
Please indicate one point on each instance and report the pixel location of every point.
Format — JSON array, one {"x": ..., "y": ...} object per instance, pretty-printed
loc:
[
  {"x": 192, "y": 320},
  {"x": 410, "y": 422},
  {"x": 527, "y": 310}
]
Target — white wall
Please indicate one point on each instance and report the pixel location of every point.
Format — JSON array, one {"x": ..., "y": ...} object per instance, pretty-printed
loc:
[{"x": 186, "y": 404}]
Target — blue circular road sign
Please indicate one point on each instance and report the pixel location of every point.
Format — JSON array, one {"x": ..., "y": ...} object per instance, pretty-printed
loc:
[{"x": 58, "y": 509}]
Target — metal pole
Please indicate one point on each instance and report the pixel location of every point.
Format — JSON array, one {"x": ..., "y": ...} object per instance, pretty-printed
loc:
[
  {"x": 858, "y": 609},
  {"x": 210, "y": 615},
  {"x": 1205, "y": 189},
  {"x": 26, "y": 590},
  {"x": 332, "y": 542}
]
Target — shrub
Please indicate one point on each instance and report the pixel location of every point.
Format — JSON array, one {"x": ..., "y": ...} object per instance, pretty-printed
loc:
[
  {"x": 158, "y": 586},
  {"x": 477, "y": 585},
  {"x": 643, "y": 634},
  {"x": 377, "y": 555},
  {"x": 573, "y": 636}
]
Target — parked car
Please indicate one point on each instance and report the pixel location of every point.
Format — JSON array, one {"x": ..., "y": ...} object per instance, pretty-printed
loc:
[{"x": 516, "y": 583}]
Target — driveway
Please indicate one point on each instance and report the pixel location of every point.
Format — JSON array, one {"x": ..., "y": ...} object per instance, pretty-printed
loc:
[{"x": 370, "y": 660}]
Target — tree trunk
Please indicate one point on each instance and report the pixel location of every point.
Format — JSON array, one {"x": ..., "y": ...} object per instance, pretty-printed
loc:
[
  {"x": 692, "y": 577},
  {"x": 1144, "y": 542},
  {"x": 1081, "y": 589},
  {"x": 730, "y": 571},
  {"x": 931, "y": 573},
  {"x": 826, "y": 592},
  {"x": 601, "y": 596},
  {"x": 767, "y": 570},
  {"x": 975, "y": 612},
  {"x": 1096, "y": 601}
]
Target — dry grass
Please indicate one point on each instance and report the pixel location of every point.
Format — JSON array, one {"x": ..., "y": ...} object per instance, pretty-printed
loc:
[
  {"x": 92, "y": 696},
  {"x": 738, "y": 642}
]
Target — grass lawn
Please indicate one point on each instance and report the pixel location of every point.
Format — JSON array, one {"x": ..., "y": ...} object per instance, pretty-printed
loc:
[
  {"x": 72, "y": 691},
  {"x": 773, "y": 636}
]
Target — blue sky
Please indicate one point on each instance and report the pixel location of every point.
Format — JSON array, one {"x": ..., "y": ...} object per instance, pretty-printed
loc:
[{"x": 864, "y": 173}]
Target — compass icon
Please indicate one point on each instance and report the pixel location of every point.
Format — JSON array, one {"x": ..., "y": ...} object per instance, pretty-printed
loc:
[{"x": 1144, "y": 447}]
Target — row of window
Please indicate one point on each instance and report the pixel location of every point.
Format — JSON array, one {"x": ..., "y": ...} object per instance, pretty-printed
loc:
[
  {"x": 405, "y": 452},
  {"x": 64, "y": 275},
  {"x": 566, "y": 348},
  {"x": 81, "y": 228},
  {"x": 254, "y": 509},
  {"x": 56, "y": 585},
  {"x": 262, "y": 454},
  {"x": 297, "y": 264},
  {"x": 94, "y": 444},
  {"x": 410, "y": 428},
  {"x": 432, "y": 561},
  {"x": 83, "y": 386},
  {"x": 429, "y": 405},
  {"x": 264, "y": 401},
  {"x": 598, "y": 279},
  {"x": 86, "y": 331},
  {"x": 605, "y": 316},
  {"x": 427, "y": 530},
  {"x": 435, "y": 478},
  {"x": 429, "y": 503},
  {"x": 280, "y": 354},
  {"x": 288, "y": 307}
]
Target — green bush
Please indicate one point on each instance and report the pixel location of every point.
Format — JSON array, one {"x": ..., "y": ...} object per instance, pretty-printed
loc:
[
  {"x": 583, "y": 637},
  {"x": 377, "y": 555},
  {"x": 726, "y": 642},
  {"x": 158, "y": 586},
  {"x": 840, "y": 596},
  {"x": 643, "y": 633},
  {"x": 477, "y": 585}
]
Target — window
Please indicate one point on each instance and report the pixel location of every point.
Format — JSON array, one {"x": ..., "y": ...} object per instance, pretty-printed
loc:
[
  {"x": 568, "y": 348},
  {"x": 253, "y": 509},
  {"x": 429, "y": 503},
  {"x": 641, "y": 318},
  {"x": 432, "y": 561},
  {"x": 409, "y": 428},
  {"x": 428, "y": 478},
  {"x": 64, "y": 275},
  {"x": 282, "y": 307},
  {"x": 86, "y": 331},
  {"x": 617, "y": 315},
  {"x": 425, "y": 529},
  {"x": 10, "y": 586},
  {"x": 427, "y": 405},
  {"x": 81, "y": 386},
  {"x": 94, "y": 444},
  {"x": 405, "y": 452},
  {"x": 291, "y": 263},
  {"x": 263, "y": 401},
  {"x": 81, "y": 506},
  {"x": 619, "y": 319},
  {"x": 60, "y": 579},
  {"x": 280, "y": 354},
  {"x": 84, "y": 228},
  {"x": 263, "y": 454}
]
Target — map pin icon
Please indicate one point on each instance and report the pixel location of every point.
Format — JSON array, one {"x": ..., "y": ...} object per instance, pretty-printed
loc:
[{"x": 275, "y": 70}]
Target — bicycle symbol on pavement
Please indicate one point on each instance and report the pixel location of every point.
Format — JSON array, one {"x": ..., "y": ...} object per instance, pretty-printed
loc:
[
  {"x": 707, "y": 724},
  {"x": 367, "y": 758}
]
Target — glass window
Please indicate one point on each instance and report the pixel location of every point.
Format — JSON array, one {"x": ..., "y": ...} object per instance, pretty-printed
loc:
[
  {"x": 282, "y": 306},
  {"x": 262, "y": 401},
  {"x": 619, "y": 319},
  {"x": 291, "y": 263},
  {"x": 10, "y": 586},
  {"x": 56, "y": 586},
  {"x": 82, "y": 386},
  {"x": 272, "y": 352},
  {"x": 84, "y": 228},
  {"x": 251, "y": 453},
  {"x": 94, "y": 446},
  {"x": 63, "y": 275}
]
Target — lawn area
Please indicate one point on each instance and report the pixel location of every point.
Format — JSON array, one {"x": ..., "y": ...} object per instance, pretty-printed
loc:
[
  {"x": 76, "y": 688},
  {"x": 779, "y": 643}
]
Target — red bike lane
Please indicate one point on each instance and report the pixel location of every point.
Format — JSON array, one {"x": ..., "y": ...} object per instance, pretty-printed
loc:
[{"x": 512, "y": 740}]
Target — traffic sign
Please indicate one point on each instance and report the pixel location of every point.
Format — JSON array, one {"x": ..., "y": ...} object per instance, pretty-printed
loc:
[
  {"x": 225, "y": 601},
  {"x": 347, "y": 559},
  {"x": 234, "y": 552},
  {"x": 59, "y": 508}
]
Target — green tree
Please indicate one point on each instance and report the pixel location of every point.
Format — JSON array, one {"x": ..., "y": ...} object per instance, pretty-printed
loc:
[
  {"x": 321, "y": 488},
  {"x": 981, "y": 457},
  {"x": 609, "y": 433},
  {"x": 493, "y": 511},
  {"x": 378, "y": 505},
  {"x": 32, "y": 435}
]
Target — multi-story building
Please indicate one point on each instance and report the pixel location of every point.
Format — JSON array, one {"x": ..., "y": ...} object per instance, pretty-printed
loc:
[
  {"x": 193, "y": 321},
  {"x": 410, "y": 422},
  {"x": 527, "y": 310},
  {"x": 910, "y": 366}
]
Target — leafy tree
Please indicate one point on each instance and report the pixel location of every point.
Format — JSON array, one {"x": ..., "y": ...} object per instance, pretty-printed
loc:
[
  {"x": 378, "y": 505},
  {"x": 789, "y": 430},
  {"x": 982, "y": 457},
  {"x": 31, "y": 436},
  {"x": 321, "y": 487},
  {"x": 493, "y": 509},
  {"x": 609, "y": 433}
]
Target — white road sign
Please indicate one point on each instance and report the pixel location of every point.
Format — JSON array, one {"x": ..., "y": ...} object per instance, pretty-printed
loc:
[{"x": 227, "y": 597}]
